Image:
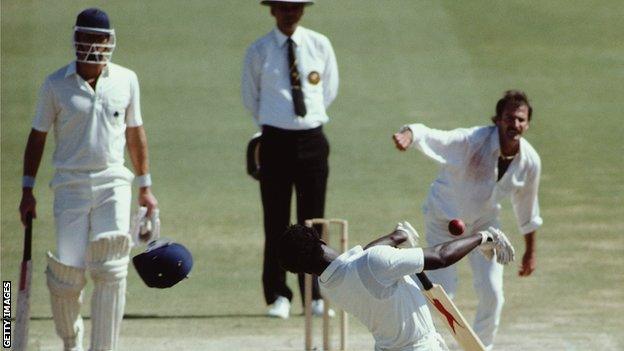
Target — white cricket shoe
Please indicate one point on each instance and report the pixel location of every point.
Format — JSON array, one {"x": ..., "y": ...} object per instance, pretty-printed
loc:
[
  {"x": 280, "y": 308},
  {"x": 317, "y": 309}
]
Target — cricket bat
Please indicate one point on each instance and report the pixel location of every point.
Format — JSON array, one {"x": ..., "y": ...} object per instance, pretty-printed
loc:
[
  {"x": 23, "y": 295},
  {"x": 450, "y": 315}
]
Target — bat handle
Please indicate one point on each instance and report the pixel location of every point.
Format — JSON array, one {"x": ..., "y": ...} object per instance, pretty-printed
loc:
[
  {"x": 28, "y": 237},
  {"x": 427, "y": 285},
  {"x": 29, "y": 218}
]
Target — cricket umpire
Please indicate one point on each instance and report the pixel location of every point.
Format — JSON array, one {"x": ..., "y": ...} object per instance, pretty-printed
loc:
[
  {"x": 93, "y": 105},
  {"x": 290, "y": 77}
]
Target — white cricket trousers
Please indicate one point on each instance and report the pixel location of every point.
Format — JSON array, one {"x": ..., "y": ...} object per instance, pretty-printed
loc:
[
  {"x": 487, "y": 277},
  {"x": 86, "y": 206}
]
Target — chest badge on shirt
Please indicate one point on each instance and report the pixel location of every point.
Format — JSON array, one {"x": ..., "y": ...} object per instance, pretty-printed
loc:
[{"x": 314, "y": 77}]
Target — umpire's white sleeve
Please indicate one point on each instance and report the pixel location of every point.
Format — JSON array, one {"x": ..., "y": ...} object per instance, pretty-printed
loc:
[
  {"x": 250, "y": 82},
  {"x": 388, "y": 264},
  {"x": 330, "y": 76},
  {"x": 440, "y": 145}
]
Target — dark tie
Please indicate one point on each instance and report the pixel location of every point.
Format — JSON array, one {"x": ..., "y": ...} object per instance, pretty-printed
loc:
[{"x": 295, "y": 82}]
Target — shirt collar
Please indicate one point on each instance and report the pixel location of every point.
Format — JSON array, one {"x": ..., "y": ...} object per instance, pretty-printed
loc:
[
  {"x": 71, "y": 69},
  {"x": 281, "y": 37},
  {"x": 339, "y": 261},
  {"x": 495, "y": 141},
  {"x": 106, "y": 70}
]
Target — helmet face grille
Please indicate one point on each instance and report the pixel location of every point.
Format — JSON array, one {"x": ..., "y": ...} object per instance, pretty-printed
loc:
[{"x": 94, "y": 45}]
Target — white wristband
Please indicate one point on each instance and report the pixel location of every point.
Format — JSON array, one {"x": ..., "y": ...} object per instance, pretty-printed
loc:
[
  {"x": 144, "y": 180},
  {"x": 28, "y": 182}
]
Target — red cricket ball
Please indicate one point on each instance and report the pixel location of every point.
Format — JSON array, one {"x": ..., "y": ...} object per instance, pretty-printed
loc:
[{"x": 456, "y": 226}]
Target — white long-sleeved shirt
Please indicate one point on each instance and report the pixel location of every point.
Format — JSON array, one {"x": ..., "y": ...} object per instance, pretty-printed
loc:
[
  {"x": 374, "y": 286},
  {"x": 89, "y": 125},
  {"x": 266, "y": 87},
  {"x": 467, "y": 186}
]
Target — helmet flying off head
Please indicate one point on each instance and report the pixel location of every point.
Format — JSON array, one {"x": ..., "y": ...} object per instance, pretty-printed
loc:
[{"x": 94, "y": 39}]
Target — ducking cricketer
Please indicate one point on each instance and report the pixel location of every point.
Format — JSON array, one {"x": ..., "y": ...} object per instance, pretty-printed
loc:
[{"x": 375, "y": 283}]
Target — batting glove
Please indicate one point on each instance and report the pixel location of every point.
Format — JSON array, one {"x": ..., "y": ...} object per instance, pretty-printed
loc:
[
  {"x": 412, "y": 235},
  {"x": 495, "y": 242},
  {"x": 145, "y": 229}
]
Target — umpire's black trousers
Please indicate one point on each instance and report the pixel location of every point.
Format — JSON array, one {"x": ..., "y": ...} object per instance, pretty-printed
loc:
[{"x": 287, "y": 158}]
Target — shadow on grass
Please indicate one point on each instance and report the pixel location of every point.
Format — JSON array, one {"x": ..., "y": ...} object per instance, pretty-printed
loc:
[{"x": 160, "y": 316}]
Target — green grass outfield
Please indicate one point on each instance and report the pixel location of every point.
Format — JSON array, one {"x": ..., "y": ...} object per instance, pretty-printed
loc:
[{"x": 444, "y": 63}]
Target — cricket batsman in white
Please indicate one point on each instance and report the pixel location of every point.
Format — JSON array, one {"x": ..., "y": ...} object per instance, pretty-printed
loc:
[
  {"x": 374, "y": 283},
  {"x": 93, "y": 105}
]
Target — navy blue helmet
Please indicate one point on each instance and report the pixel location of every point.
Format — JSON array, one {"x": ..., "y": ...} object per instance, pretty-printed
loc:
[
  {"x": 163, "y": 264},
  {"x": 93, "y": 18}
]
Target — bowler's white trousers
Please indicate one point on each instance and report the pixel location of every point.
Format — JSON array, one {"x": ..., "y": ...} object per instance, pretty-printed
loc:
[
  {"x": 487, "y": 276},
  {"x": 88, "y": 205}
]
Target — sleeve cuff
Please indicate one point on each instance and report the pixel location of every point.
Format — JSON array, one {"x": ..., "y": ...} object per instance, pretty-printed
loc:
[
  {"x": 40, "y": 128},
  {"x": 417, "y": 132},
  {"x": 136, "y": 123},
  {"x": 531, "y": 226}
]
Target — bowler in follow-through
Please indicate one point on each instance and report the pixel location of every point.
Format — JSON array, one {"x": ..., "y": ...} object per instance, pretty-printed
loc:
[{"x": 479, "y": 167}]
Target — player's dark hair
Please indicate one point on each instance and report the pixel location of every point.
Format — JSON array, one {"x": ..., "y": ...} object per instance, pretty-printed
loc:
[
  {"x": 299, "y": 249},
  {"x": 513, "y": 98}
]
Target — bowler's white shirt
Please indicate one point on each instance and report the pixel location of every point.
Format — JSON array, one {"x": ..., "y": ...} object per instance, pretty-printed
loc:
[
  {"x": 374, "y": 286},
  {"x": 467, "y": 186},
  {"x": 266, "y": 88},
  {"x": 89, "y": 125}
]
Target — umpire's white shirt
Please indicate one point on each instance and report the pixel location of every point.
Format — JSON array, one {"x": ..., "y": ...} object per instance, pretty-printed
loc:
[
  {"x": 467, "y": 185},
  {"x": 266, "y": 88},
  {"x": 89, "y": 125},
  {"x": 374, "y": 286}
]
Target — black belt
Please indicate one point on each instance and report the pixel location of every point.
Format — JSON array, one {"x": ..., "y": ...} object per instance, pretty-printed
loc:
[{"x": 270, "y": 130}]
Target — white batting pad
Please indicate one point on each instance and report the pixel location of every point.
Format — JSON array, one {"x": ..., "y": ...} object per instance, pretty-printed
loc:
[
  {"x": 65, "y": 284},
  {"x": 107, "y": 263}
]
